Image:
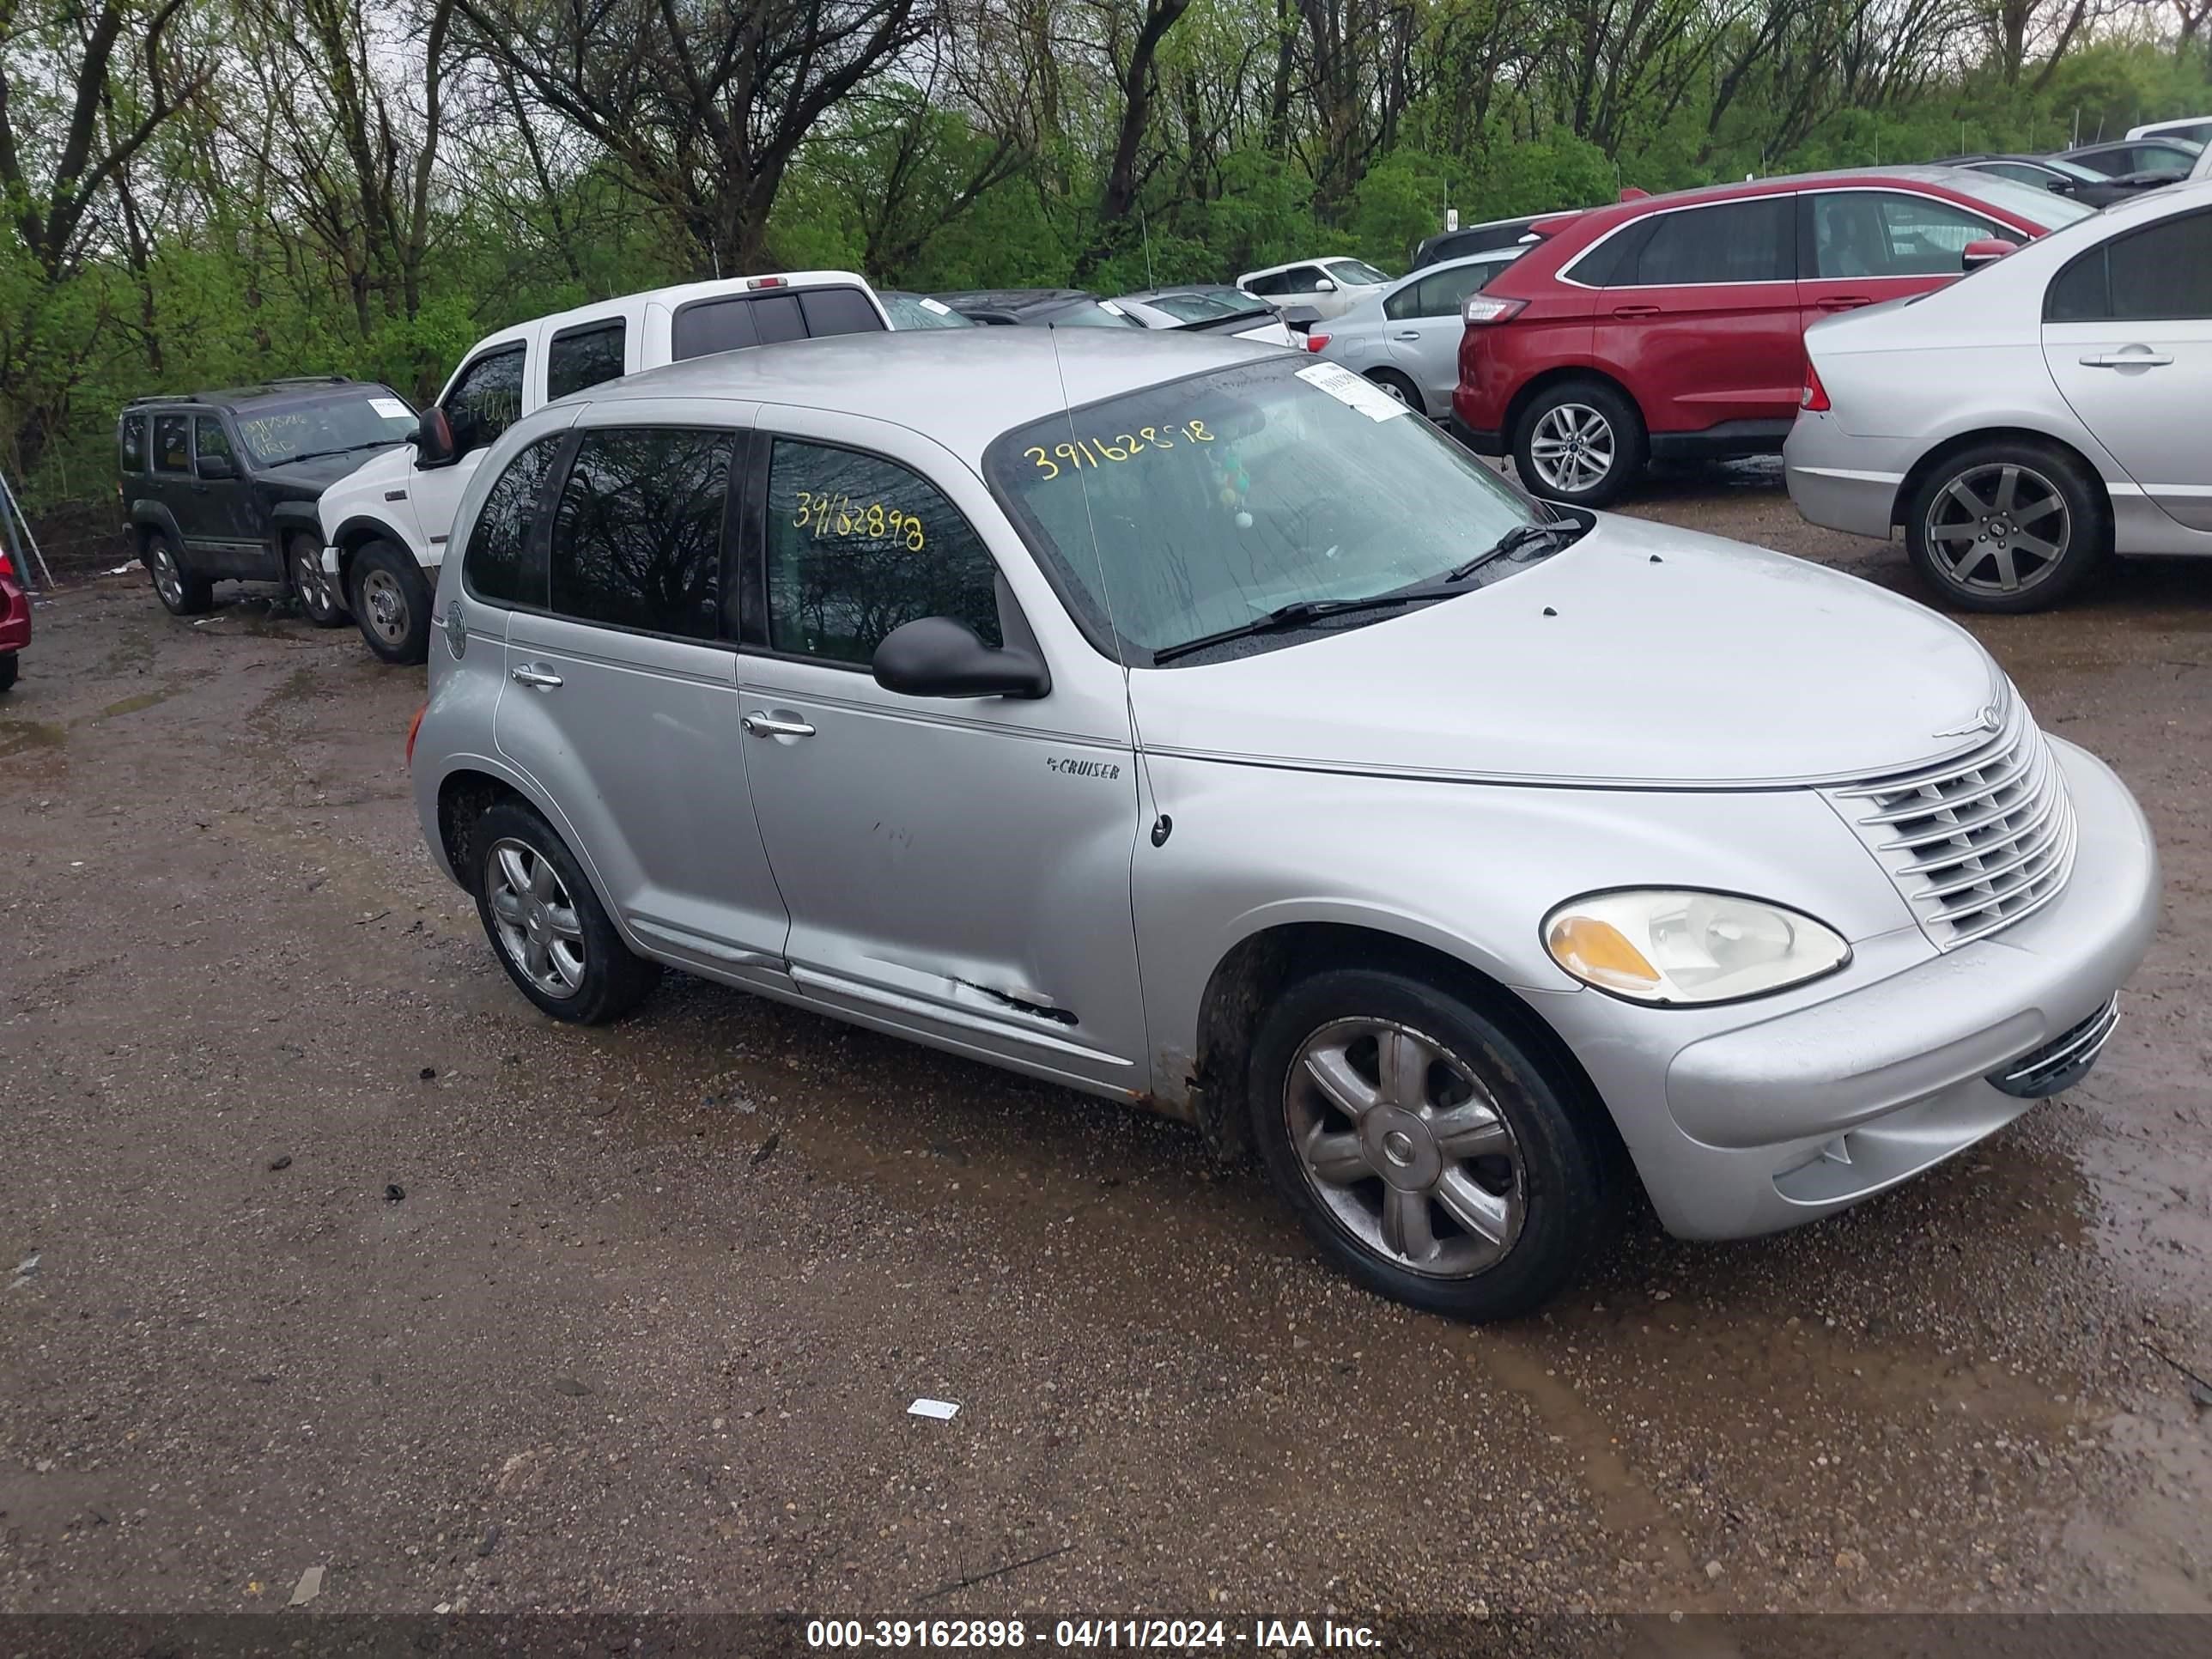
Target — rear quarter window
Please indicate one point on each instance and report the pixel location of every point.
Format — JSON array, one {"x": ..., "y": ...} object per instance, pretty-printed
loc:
[{"x": 132, "y": 443}]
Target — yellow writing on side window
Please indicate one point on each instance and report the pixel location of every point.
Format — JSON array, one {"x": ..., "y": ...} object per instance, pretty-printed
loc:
[
  {"x": 1121, "y": 447},
  {"x": 842, "y": 516}
]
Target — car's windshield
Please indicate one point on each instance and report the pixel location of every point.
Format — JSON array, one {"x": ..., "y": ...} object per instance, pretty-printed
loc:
[
  {"x": 1205, "y": 307},
  {"x": 2073, "y": 170},
  {"x": 1202, "y": 504},
  {"x": 920, "y": 311},
  {"x": 360, "y": 418},
  {"x": 1358, "y": 272},
  {"x": 2037, "y": 207}
]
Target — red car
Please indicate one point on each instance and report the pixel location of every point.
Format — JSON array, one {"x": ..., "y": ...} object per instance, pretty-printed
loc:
[
  {"x": 1673, "y": 326},
  {"x": 15, "y": 620}
]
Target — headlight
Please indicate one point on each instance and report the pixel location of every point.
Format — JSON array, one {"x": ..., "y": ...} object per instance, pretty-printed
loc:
[{"x": 1664, "y": 946}]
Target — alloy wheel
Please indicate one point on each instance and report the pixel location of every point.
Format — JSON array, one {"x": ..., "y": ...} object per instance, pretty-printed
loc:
[
  {"x": 536, "y": 918},
  {"x": 309, "y": 582},
  {"x": 1998, "y": 528},
  {"x": 1573, "y": 448},
  {"x": 1405, "y": 1147},
  {"x": 384, "y": 606},
  {"x": 168, "y": 582}
]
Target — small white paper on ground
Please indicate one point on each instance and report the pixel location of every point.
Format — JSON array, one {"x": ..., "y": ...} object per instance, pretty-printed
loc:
[
  {"x": 309, "y": 1587},
  {"x": 942, "y": 1409},
  {"x": 1352, "y": 391},
  {"x": 120, "y": 570}
]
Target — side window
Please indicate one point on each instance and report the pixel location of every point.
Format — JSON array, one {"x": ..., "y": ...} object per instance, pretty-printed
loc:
[
  {"x": 838, "y": 311},
  {"x": 208, "y": 439},
  {"x": 1444, "y": 293},
  {"x": 500, "y": 562},
  {"x": 1268, "y": 286},
  {"x": 637, "y": 534},
  {"x": 487, "y": 399},
  {"x": 1752, "y": 241},
  {"x": 1408, "y": 301},
  {"x": 579, "y": 357},
  {"x": 1304, "y": 280},
  {"x": 1918, "y": 237},
  {"x": 2082, "y": 293},
  {"x": 2164, "y": 272},
  {"x": 171, "y": 444},
  {"x": 134, "y": 443},
  {"x": 858, "y": 545}
]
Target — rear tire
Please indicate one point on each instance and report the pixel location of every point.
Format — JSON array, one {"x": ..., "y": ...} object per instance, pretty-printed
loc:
[
  {"x": 546, "y": 925},
  {"x": 391, "y": 603},
  {"x": 182, "y": 592},
  {"x": 1582, "y": 442},
  {"x": 2010, "y": 510},
  {"x": 1387, "y": 1110},
  {"x": 7, "y": 670},
  {"x": 1400, "y": 387},
  {"x": 316, "y": 592}
]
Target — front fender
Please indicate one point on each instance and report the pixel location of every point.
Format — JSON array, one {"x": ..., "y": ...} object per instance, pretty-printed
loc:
[{"x": 1468, "y": 870}]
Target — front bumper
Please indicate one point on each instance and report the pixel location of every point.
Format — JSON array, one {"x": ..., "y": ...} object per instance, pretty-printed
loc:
[
  {"x": 1841, "y": 481},
  {"x": 1793, "y": 1115}
]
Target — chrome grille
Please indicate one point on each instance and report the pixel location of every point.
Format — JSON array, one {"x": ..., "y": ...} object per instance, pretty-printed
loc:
[{"x": 1975, "y": 844}]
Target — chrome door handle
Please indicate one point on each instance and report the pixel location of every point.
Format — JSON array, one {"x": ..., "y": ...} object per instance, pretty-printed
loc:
[
  {"x": 2127, "y": 360},
  {"x": 1409, "y": 334},
  {"x": 536, "y": 674},
  {"x": 762, "y": 723}
]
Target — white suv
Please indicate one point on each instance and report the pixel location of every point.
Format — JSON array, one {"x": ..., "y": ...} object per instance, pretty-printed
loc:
[{"x": 384, "y": 525}]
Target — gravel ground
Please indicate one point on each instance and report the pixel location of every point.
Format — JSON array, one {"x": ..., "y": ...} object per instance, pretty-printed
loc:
[{"x": 334, "y": 1253}]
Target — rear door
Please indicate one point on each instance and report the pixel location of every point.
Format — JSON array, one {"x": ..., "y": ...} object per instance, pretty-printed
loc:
[
  {"x": 1701, "y": 322},
  {"x": 2127, "y": 332},
  {"x": 622, "y": 689},
  {"x": 1423, "y": 326},
  {"x": 173, "y": 485},
  {"x": 1858, "y": 247}
]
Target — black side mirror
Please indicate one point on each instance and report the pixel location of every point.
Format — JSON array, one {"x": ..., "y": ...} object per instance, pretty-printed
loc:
[
  {"x": 940, "y": 657},
  {"x": 217, "y": 466},
  {"x": 434, "y": 439}
]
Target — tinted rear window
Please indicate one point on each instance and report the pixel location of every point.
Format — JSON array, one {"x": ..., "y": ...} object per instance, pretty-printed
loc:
[
  {"x": 1752, "y": 241},
  {"x": 637, "y": 534},
  {"x": 583, "y": 356},
  {"x": 500, "y": 562},
  {"x": 171, "y": 444},
  {"x": 838, "y": 311}
]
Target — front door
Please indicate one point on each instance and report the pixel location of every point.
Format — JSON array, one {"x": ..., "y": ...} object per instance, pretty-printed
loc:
[
  {"x": 957, "y": 870},
  {"x": 485, "y": 398},
  {"x": 1860, "y": 246},
  {"x": 226, "y": 537},
  {"x": 2128, "y": 334},
  {"x": 1701, "y": 321},
  {"x": 621, "y": 697}
]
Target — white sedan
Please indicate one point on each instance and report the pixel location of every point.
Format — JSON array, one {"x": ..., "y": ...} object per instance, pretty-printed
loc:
[
  {"x": 1331, "y": 286},
  {"x": 2026, "y": 422}
]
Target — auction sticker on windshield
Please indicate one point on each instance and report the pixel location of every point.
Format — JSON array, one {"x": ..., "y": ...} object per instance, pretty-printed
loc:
[
  {"x": 390, "y": 408},
  {"x": 1350, "y": 390}
]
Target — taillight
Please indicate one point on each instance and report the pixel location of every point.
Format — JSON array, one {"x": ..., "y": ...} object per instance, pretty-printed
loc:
[
  {"x": 413, "y": 727},
  {"x": 1316, "y": 342},
  {"x": 1485, "y": 308},
  {"x": 6, "y": 569},
  {"x": 1814, "y": 397}
]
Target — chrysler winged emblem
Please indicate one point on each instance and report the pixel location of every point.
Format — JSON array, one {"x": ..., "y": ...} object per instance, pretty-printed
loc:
[{"x": 1987, "y": 720}]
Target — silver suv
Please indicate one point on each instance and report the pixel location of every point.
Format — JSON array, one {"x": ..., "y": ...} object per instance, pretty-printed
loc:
[{"x": 1183, "y": 721}]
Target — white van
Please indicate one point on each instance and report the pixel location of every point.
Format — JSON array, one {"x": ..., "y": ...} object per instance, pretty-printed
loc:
[{"x": 384, "y": 525}]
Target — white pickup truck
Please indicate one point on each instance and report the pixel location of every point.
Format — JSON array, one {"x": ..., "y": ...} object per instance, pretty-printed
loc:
[{"x": 385, "y": 525}]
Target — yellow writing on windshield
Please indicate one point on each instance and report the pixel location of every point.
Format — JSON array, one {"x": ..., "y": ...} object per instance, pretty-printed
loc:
[{"x": 1121, "y": 447}]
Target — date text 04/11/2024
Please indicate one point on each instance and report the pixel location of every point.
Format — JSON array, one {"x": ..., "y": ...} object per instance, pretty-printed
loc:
[{"x": 1168, "y": 1635}]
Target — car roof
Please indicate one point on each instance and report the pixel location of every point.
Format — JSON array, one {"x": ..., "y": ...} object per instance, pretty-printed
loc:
[
  {"x": 241, "y": 396},
  {"x": 960, "y": 387},
  {"x": 1603, "y": 219},
  {"x": 1292, "y": 265},
  {"x": 1012, "y": 299},
  {"x": 680, "y": 294}
]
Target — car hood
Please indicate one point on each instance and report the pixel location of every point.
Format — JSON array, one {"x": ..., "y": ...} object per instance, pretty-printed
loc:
[
  {"x": 1641, "y": 654},
  {"x": 387, "y": 469},
  {"x": 312, "y": 477}
]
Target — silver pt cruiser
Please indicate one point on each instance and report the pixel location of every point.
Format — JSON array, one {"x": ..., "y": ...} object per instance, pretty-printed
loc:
[{"x": 1184, "y": 721}]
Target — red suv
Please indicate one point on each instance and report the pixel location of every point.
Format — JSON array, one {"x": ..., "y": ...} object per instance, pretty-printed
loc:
[
  {"x": 1673, "y": 326},
  {"x": 15, "y": 620}
]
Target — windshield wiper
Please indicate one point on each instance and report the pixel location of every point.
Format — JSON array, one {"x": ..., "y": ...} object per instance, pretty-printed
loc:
[
  {"x": 1298, "y": 614},
  {"x": 1521, "y": 536},
  {"x": 344, "y": 449}
]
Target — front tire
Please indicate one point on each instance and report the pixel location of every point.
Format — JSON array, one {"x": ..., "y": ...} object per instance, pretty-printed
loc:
[
  {"x": 391, "y": 601},
  {"x": 2007, "y": 527},
  {"x": 316, "y": 592},
  {"x": 182, "y": 592},
  {"x": 546, "y": 925},
  {"x": 1582, "y": 442},
  {"x": 1426, "y": 1150}
]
